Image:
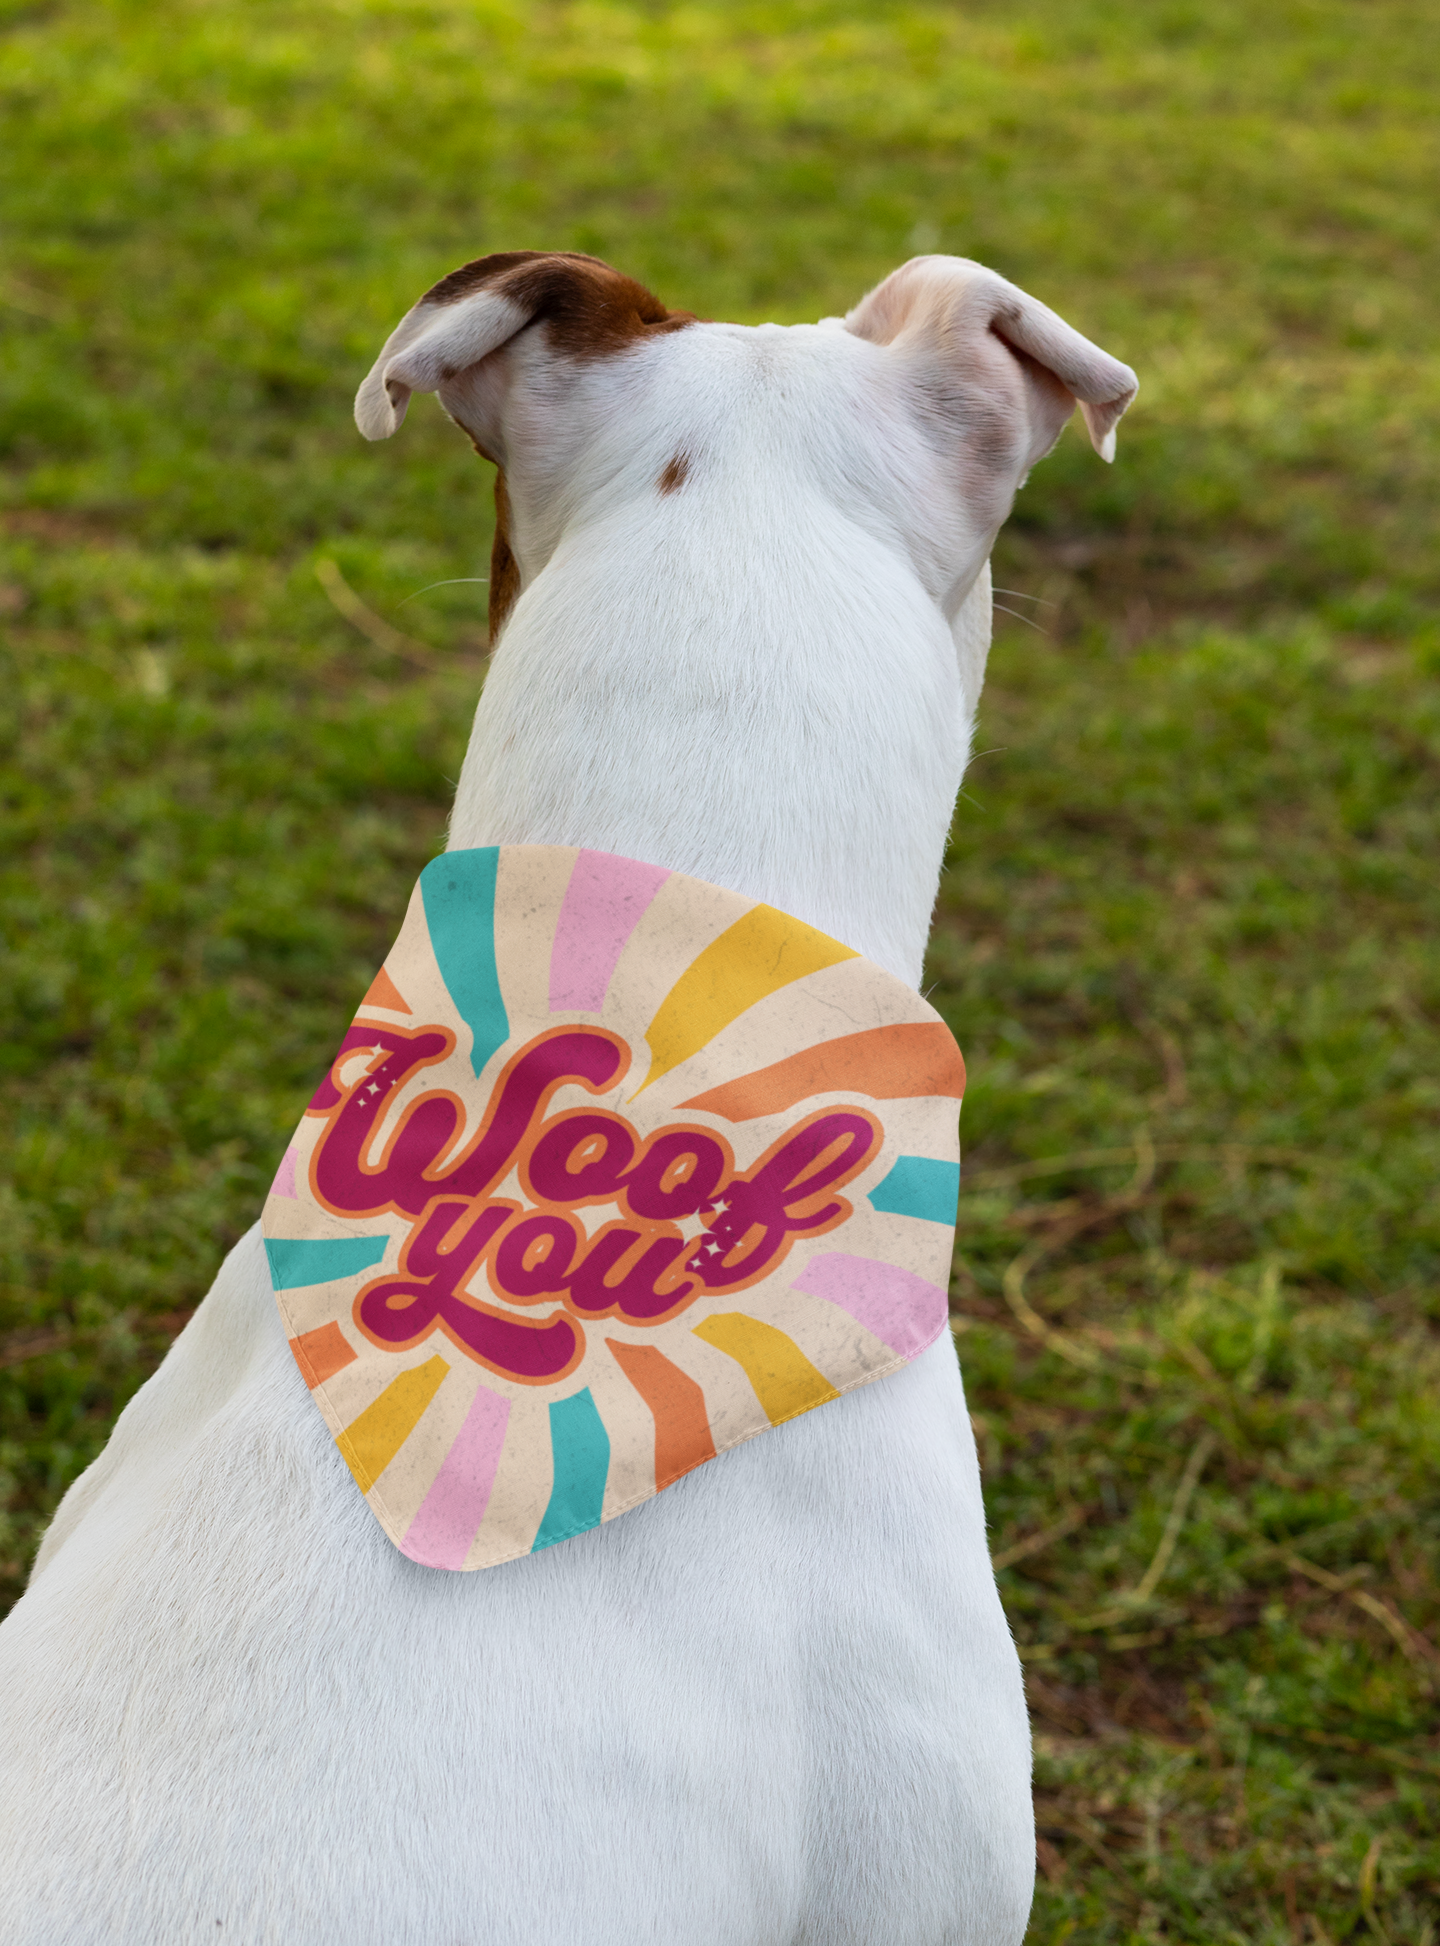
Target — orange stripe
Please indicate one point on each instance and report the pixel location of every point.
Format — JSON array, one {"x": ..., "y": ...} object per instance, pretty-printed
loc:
[
  {"x": 886, "y": 1063},
  {"x": 682, "y": 1427},
  {"x": 384, "y": 993},
  {"x": 321, "y": 1353}
]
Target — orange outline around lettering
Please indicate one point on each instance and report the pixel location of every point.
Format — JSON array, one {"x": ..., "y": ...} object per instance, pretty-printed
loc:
[{"x": 650, "y": 1230}]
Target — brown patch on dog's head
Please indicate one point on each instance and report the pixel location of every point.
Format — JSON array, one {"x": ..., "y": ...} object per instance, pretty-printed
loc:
[
  {"x": 677, "y": 472},
  {"x": 454, "y": 342},
  {"x": 591, "y": 309}
]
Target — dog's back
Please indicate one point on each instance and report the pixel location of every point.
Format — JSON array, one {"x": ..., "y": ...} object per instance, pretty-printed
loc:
[{"x": 741, "y": 578}]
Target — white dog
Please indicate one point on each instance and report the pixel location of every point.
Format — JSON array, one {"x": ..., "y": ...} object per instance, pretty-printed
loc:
[{"x": 743, "y": 580}]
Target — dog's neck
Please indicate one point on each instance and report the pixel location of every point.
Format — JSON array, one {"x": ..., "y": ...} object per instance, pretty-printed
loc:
[{"x": 793, "y": 730}]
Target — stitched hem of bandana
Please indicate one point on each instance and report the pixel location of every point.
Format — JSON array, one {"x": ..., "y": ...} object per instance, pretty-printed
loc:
[{"x": 374, "y": 1496}]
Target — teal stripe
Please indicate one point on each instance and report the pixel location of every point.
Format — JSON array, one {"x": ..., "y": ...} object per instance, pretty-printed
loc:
[
  {"x": 300, "y": 1260},
  {"x": 459, "y": 893},
  {"x": 581, "y": 1449},
  {"x": 919, "y": 1185}
]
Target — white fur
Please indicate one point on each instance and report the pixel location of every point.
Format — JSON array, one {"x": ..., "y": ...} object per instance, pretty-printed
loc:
[{"x": 777, "y": 1705}]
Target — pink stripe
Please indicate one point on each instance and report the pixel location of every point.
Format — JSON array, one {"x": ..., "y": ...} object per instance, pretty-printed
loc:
[
  {"x": 604, "y": 902},
  {"x": 901, "y": 1309},
  {"x": 284, "y": 1183},
  {"x": 450, "y": 1515}
]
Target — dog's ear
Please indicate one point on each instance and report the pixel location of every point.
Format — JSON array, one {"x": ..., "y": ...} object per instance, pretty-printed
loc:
[
  {"x": 955, "y": 320},
  {"x": 592, "y": 311}
]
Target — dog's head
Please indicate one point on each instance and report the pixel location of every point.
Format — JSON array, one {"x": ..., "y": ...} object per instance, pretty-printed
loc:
[{"x": 918, "y": 415}]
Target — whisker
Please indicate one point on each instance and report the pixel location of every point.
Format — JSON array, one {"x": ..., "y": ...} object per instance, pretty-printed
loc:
[
  {"x": 1020, "y": 595},
  {"x": 477, "y": 580},
  {"x": 1021, "y": 618}
]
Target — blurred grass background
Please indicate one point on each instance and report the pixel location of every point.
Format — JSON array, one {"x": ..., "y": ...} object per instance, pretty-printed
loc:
[{"x": 1187, "y": 933}]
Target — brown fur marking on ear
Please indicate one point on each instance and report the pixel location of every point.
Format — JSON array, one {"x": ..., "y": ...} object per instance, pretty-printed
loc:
[
  {"x": 504, "y": 573},
  {"x": 677, "y": 472},
  {"x": 481, "y": 271},
  {"x": 592, "y": 310}
]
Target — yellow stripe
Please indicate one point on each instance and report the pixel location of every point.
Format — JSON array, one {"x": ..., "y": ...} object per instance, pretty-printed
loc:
[
  {"x": 756, "y": 956},
  {"x": 784, "y": 1379},
  {"x": 369, "y": 1443}
]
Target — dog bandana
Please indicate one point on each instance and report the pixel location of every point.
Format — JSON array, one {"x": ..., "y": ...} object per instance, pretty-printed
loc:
[{"x": 614, "y": 1170}]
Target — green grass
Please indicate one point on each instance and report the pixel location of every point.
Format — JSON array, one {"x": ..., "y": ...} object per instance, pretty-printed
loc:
[{"x": 1186, "y": 935}]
